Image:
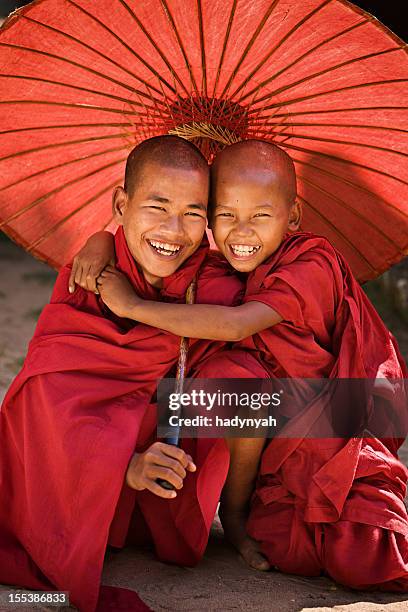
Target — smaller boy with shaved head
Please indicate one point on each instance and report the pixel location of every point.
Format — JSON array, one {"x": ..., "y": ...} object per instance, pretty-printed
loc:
[{"x": 328, "y": 505}]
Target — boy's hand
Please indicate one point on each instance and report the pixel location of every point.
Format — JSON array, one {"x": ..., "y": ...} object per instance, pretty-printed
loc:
[
  {"x": 116, "y": 292},
  {"x": 98, "y": 252},
  {"x": 159, "y": 461}
]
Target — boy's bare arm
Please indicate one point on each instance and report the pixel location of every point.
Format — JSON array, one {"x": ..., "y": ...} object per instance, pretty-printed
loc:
[
  {"x": 205, "y": 321},
  {"x": 95, "y": 255}
]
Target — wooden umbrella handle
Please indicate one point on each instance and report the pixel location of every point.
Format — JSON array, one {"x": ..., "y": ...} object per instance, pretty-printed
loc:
[{"x": 181, "y": 372}]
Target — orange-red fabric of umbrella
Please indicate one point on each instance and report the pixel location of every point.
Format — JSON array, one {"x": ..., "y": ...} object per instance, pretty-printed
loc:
[{"x": 81, "y": 82}]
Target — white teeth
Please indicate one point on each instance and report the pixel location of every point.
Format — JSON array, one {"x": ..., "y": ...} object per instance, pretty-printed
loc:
[
  {"x": 243, "y": 250},
  {"x": 164, "y": 248}
]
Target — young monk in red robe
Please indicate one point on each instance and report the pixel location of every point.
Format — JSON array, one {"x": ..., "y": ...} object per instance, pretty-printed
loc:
[
  {"x": 70, "y": 480},
  {"x": 331, "y": 505}
]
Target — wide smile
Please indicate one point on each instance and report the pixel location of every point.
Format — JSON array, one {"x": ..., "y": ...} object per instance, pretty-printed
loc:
[
  {"x": 244, "y": 251},
  {"x": 165, "y": 250}
]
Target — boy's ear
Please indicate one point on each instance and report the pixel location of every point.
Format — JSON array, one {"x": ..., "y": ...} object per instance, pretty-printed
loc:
[
  {"x": 119, "y": 204},
  {"x": 295, "y": 217}
]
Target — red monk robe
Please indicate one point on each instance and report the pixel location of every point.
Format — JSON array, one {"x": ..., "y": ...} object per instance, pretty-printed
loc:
[
  {"x": 71, "y": 421},
  {"x": 328, "y": 505}
]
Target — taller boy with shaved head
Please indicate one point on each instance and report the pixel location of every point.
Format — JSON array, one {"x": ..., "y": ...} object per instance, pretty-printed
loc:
[{"x": 70, "y": 479}]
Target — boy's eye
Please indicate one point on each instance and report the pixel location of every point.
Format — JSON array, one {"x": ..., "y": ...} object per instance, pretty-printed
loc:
[
  {"x": 157, "y": 207},
  {"x": 194, "y": 214},
  {"x": 262, "y": 214},
  {"x": 224, "y": 214}
]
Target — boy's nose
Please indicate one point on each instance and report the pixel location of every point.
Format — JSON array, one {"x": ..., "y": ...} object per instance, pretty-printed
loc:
[
  {"x": 173, "y": 226},
  {"x": 242, "y": 228}
]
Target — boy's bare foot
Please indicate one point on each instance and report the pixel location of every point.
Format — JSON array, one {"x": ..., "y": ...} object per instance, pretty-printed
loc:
[{"x": 233, "y": 523}]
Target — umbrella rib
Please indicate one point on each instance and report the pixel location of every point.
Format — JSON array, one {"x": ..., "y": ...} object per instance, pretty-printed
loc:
[
  {"x": 159, "y": 51},
  {"x": 105, "y": 57},
  {"x": 66, "y": 143},
  {"x": 341, "y": 125},
  {"x": 348, "y": 143},
  {"x": 279, "y": 44},
  {"x": 202, "y": 47},
  {"x": 340, "y": 110},
  {"x": 352, "y": 210},
  {"x": 76, "y": 87},
  {"x": 71, "y": 105},
  {"x": 64, "y": 127},
  {"x": 61, "y": 165},
  {"x": 302, "y": 57},
  {"x": 322, "y": 72},
  {"x": 224, "y": 46},
  {"x": 58, "y": 189},
  {"x": 77, "y": 65},
  {"x": 249, "y": 45},
  {"x": 55, "y": 227},
  {"x": 350, "y": 183},
  {"x": 336, "y": 231},
  {"x": 336, "y": 158},
  {"x": 129, "y": 48},
  {"x": 171, "y": 21},
  {"x": 325, "y": 93}
]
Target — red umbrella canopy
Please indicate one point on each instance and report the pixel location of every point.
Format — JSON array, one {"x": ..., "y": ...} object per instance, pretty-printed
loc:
[{"x": 82, "y": 82}]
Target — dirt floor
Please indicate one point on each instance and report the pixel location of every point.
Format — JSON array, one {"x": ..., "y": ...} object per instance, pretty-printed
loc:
[{"x": 221, "y": 581}]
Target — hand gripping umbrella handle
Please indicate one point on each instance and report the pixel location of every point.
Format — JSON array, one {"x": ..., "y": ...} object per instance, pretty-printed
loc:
[{"x": 181, "y": 372}]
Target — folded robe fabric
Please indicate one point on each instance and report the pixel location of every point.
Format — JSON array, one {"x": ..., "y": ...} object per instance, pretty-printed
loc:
[
  {"x": 327, "y": 504},
  {"x": 71, "y": 421}
]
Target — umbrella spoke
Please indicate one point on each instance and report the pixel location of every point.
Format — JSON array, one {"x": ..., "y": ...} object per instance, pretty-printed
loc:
[
  {"x": 270, "y": 95},
  {"x": 225, "y": 43},
  {"x": 345, "y": 161},
  {"x": 349, "y": 143},
  {"x": 276, "y": 47},
  {"x": 335, "y": 125},
  {"x": 75, "y": 87},
  {"x": 348, "y": 182},
  {"x": 336, "y": 231},
  {"x": 62, "y": 165},
  {"x": 180, "y": 43},
  {"x": 325, "y": 93},
  {"x": 157, "y": 48},
  {"x": 161, "y": 79},
  {"x": 93, "y": 50},
  {"x": 301, "y": 58},
  {"x": 75, "y": 105},
  {"x": 37, "y": 128},
  {"x": 247, "y": 49},
  {"x": 339, "y": 110},
  {"x": 58, "y": 189},
  {"x": 66, "y": 143},
  {"x": 353, "y": 211},
  {"x": 76, "y": 64},
  {"x": 55, "y": 227},
  {"x": 202, "y": 48}
]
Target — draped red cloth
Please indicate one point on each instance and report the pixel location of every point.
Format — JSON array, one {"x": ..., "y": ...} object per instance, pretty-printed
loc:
[
  {"x": 332, "y": 505},
  {"x": 71, "y": 421}
]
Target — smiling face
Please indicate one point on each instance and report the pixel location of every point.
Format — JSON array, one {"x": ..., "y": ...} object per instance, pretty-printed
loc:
[
  {"x": 164, "y": 217},
  {"x": 253, "y": 206}
]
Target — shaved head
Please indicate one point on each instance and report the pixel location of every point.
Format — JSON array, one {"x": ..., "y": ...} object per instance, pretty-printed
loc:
[
  {"x": 249, "y": 156},
  {"x": 168, "y": 151}
]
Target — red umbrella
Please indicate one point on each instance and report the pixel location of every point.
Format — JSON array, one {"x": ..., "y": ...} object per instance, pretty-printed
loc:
[{"x": 81, "y": 82}]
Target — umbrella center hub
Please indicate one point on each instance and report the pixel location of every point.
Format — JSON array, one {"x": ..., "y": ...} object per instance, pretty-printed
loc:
[{"x": 209, "y": 123}]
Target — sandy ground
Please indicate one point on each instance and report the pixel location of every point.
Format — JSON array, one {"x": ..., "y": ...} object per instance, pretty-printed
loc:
[{"x": 221, "y": 581}]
